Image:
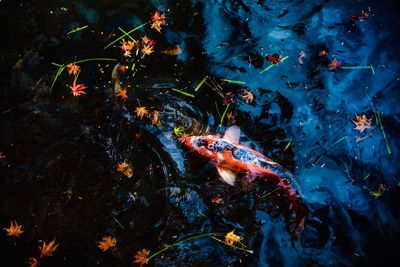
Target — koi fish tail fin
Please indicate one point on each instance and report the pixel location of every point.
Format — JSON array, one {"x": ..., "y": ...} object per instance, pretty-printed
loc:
[{"x": 296, "y": 211}]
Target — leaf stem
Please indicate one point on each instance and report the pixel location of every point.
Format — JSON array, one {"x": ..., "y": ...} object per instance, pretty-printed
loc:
[
  {"x": 224, "y": 114},
  {"x": 116, "y": 40},
  {"x": 182, "y": 92}
]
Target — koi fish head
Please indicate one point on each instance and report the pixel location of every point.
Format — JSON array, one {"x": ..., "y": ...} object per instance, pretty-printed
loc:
[{"x": 201, "y": 144}]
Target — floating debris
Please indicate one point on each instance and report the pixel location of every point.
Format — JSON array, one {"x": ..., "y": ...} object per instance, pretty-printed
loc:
[{"x": 106, "y": 243}]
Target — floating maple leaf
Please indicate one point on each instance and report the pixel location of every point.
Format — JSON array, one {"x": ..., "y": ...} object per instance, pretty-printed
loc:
[
  {"x": 73, "y": 69},
  {"x": 158, "y": 20},
  {"x": 127, "y": 47},
  {"x": 323, "y": 53},
  {"x": 147, "y": 41},
  {"x": 178, "y": 131},
  {"x": 33, "y": 262},
  {"x": 78, "y": 89},
  {"x": 335, "y": 65},
  {"x": 379, "y": 191},
  {"x": 362, "y": 123},
  {"x": 123, "y": 94},
  {"x": 122, "y": 68},
  {"x": 142, "y": 257},
  {"x": 230, "y": 117},
  {"x": 364, "y": 15},
  {"x": 155, "y": 118},
  {"x": 106, "y": 243},
  {"x": 217, "y": 199},
  {"x": 14, "y": 230},
  {"x": 147, "y": 50},
  {"x": 126, "y": 169},
  {"x": 47, "y": 250},
  {"x": 275, "y": 58},
  {"x": 231, "y": 238},
  {"x": 176, "y": 50},
  {"x": 157, "y": 16},
  {"x": 141, "y": 112},
  {"x": 248, "y": 96}
]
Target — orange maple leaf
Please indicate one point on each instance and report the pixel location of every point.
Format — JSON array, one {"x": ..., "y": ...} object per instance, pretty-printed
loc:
[
  {"x": 335, "y": 65},
  {"x": 123, "y": 94},
  {"x": 126, "y": 169},
  {"x": 33, "y": 262},
  {"x": 141, "y": 257},
  {"x": 141, "y": 112},
  {"x": 47, "y": 250},
  {"x": 106, "y": 243},
  {"x": 147, "y": 50},
  {"x": 362, "y": 123},
  {"x": 155, "y": 118},
  {"x": 248, "y": 96},
  {"x": 176, "y": 50},
  {"x": 14, "y": 230},
  {"x": 73, "y": 69},
  {"x": 231, "y": 238}
]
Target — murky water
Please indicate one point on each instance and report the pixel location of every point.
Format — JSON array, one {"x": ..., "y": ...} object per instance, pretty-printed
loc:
[{"x": 59, "y": 175}]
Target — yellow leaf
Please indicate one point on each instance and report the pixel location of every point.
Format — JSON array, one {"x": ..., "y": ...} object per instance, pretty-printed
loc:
[{"x": 14, "y": 230}]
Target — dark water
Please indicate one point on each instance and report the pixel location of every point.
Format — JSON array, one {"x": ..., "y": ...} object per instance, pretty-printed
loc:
[{"x": 60, "y": 179}]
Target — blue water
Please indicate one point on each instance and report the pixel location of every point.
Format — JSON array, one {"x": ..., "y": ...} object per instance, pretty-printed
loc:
[{"x": 60, "y": 179}]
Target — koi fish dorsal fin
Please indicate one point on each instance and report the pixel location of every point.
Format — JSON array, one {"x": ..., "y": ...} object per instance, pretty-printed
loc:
[
  {"x": 228, "y": 176},
  {"x": 232, "y": 134}
]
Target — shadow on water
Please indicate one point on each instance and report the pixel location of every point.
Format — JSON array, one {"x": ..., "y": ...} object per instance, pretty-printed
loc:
[{"x": 60, "y": 179}]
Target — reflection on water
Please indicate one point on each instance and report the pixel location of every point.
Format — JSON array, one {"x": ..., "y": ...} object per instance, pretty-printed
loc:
[{"x": 59, "y": 175}]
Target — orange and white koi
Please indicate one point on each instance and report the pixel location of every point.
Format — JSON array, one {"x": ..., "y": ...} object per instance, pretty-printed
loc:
[{"x": 232, "y": 159}]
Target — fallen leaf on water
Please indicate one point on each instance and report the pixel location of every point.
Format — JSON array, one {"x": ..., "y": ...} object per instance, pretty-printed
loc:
[
  {"x": 147, "y": 50},
  {"x": 158, "y": 20},
  {"x": 179, "y": 130},
  {"x": 379, "y": 191},
  {"x": 275, "y": 58},
  {"x": 123, "y": 94},
  {"x": 176, "y": 50},
  {"x": 147, "y": 41},
  {"x": 125, "y": 169},
  {"x": 217, "y": 199},
  {"x": 33, "y": 262},
  {"x": 231, "y": 238},
  {"x": 362, "y": 123},
  {"x": 323, "y": 53},
  {"x": 47, "y": 250},
  {"x": 122, "y": 68},
  {"x": 248, "y": 96},
  {"x": 335, "y": 65},
  {"x": 78, "y": 89},
  {"x": 73, "y": 69},
  {"x": 155, "y": 118},
  {"x": 14, "y": 230},
  {"x": 141, "y": 112},
  {"x": 141, "y": 257},
  {"x": 230, "y": 117},
  {"x": 106, "y": 243}
]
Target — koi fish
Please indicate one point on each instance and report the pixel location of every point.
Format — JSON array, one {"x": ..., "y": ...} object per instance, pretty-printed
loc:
[{"x": 232, "y": 159}]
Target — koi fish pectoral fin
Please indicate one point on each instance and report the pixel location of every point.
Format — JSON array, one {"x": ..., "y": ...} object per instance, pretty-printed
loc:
[
  {"x": 232, "y": 134},
  {"x": 227, "y": 175}
]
